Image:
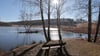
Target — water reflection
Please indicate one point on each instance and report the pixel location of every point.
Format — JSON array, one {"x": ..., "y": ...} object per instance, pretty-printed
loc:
[
  {"x": 26, "y": 39},
  {"x": 54, "y": 35}
]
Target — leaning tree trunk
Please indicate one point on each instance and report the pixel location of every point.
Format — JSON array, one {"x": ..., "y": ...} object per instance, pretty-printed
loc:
[
  {"x": 43, "y": 23},
  {"x": 49, "y": 20},
  {"x": 58, "y": 24},
  {"x": 97, "y": 28},
  {"x": 89, "y": 21}
]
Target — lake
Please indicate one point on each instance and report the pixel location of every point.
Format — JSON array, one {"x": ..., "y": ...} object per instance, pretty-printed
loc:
[{"x": 10, "y": 38}]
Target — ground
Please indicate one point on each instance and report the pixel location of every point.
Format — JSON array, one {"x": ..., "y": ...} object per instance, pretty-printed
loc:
[
  {"x": 78, "y": 47},
  {"x": 1, "y": 53},
  {"x": 74, "y": 47}
]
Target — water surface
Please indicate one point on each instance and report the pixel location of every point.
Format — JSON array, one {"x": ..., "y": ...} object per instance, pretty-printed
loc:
[{"x": 10, "y": 38}]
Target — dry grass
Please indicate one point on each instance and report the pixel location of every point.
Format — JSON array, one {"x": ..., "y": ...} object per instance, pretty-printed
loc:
[
  {"x": 82, "y": 48},
  {"x": 83, "y": 28}
]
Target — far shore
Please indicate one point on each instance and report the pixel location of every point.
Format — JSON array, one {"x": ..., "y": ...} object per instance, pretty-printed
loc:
[
  {"x": 64, "y": 28},
  {"x": 79, "y": 29}
]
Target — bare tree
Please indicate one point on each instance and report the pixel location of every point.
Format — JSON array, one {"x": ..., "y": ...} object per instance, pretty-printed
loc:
[
  {"x": 58, "y": 24},
  {"x": 97, "y": 28},
  {"x": 26, "y": 15},
  {"x": 42, "y": 17},
  {"x": 26, "y": 18},
  {"x": 89, "y": 20},
  {"x": 49, "y": 19},
  {"x": 86, "y": 8},
  {"x": 41, "y": 4},
  {"x": 57, "y": 10},
  {"x": 48, "y": 9},
  {"x": 59, "y": 5}
]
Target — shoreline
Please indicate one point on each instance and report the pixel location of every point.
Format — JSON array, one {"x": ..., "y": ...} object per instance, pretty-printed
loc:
[
  {"x": 72, "y": 44},
  {"x": 64, "y": 28}
]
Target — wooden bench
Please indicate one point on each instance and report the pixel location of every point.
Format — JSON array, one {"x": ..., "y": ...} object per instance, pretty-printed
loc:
[{"x": 53, "y": 44}]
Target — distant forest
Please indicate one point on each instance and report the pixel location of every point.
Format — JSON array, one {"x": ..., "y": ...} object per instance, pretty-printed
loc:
[{"x": 65, "y": 22}]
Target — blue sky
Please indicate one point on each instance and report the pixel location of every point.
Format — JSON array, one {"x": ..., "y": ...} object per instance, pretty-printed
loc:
[{"x": 10, "y": 10}]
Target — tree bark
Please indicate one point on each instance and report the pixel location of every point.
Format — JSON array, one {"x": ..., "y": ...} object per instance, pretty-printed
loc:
[{"x": 89, "y": 20}]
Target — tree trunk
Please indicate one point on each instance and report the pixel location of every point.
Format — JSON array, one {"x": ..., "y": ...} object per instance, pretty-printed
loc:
[
  {"x": 43, "y": 23},
  {"x": 89, "y": 20},
  {"x": 97, "y": 28},
  {"x": 58, "y": 24},
  {"x": 49, "y": 20}
]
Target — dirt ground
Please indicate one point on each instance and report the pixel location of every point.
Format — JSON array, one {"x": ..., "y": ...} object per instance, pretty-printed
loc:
[
  {"x": 74, "y": 47},
  {"x": 1, "y": 53},
  {"x": 78, "y": 47}
]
